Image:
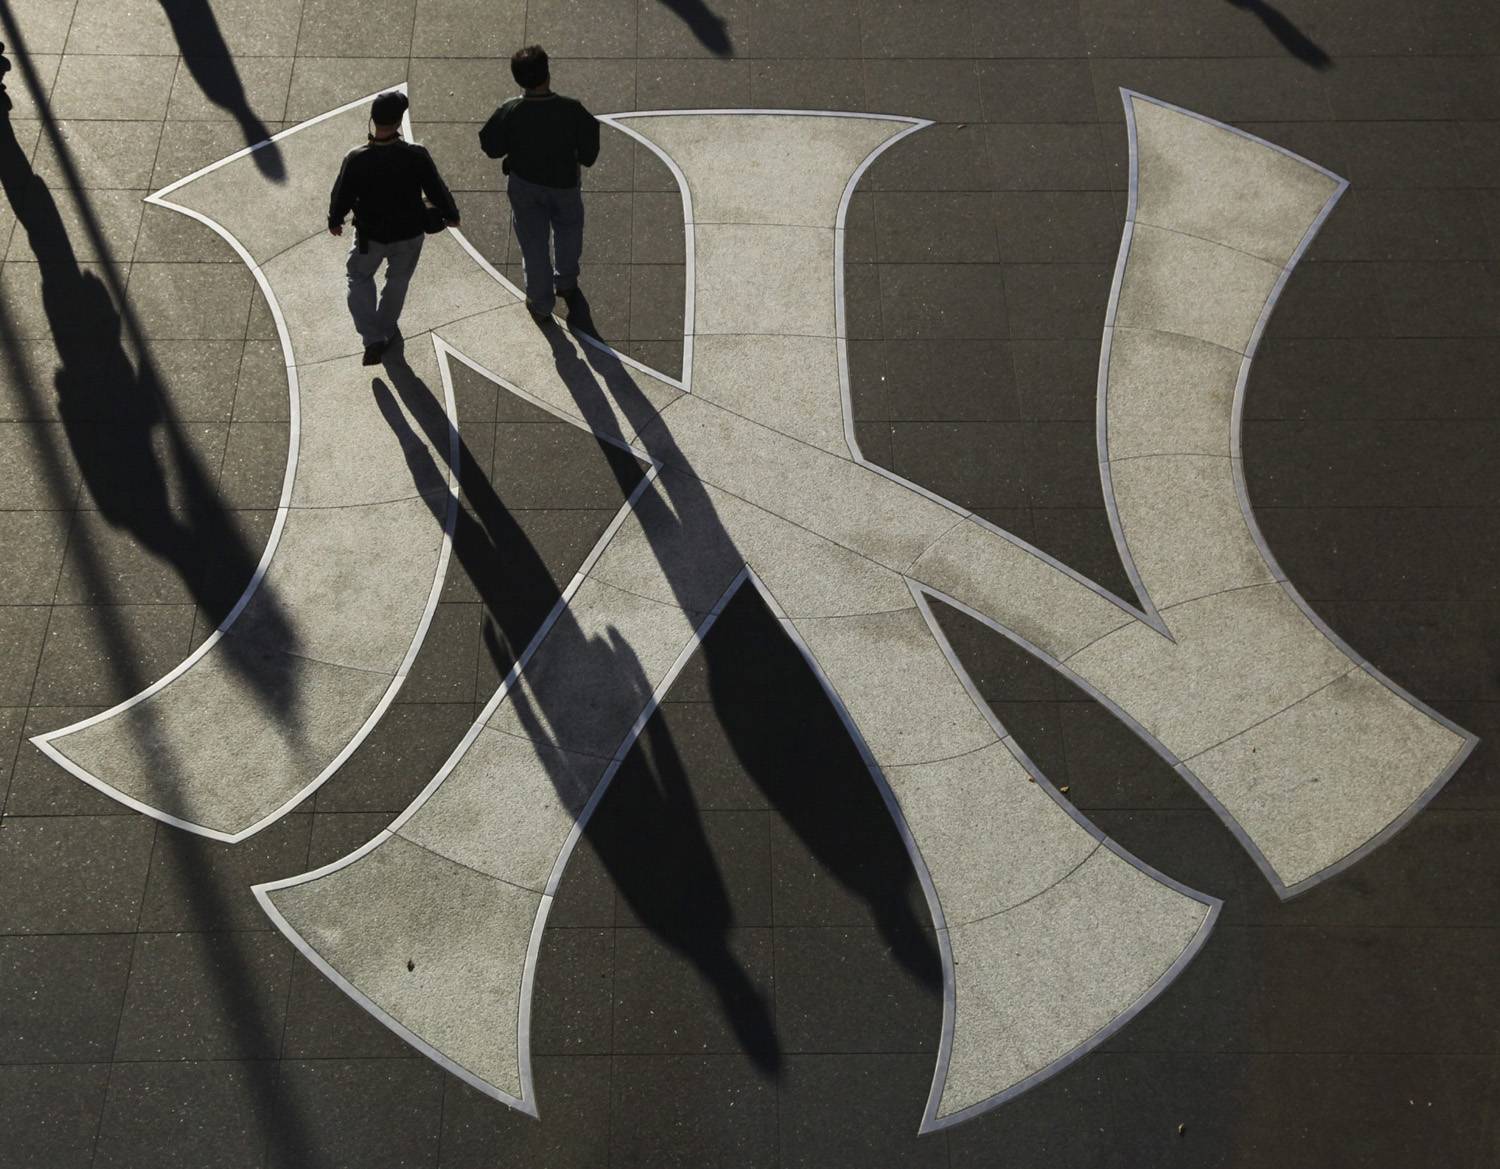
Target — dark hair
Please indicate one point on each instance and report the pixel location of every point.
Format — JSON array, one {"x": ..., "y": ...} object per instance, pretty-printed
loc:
[{"x": 529, "y": 66}]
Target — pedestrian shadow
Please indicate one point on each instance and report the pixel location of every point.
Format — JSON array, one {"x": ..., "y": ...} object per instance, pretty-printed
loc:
[
  {"x": 133, "y": 455},
  {"x": 210, "y": 63},
  {"x": 711, "y": 29},
  {"x": 1293, "y": 39}
]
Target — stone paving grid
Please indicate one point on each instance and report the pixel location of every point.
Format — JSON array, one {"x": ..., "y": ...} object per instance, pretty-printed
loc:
[{"x": 981, "y": 279}]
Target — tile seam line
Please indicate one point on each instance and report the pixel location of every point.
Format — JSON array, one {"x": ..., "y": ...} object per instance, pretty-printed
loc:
[{"x": 1042, "y": 892}]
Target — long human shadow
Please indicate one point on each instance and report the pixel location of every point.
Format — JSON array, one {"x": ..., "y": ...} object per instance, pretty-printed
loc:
[
  {"x": 1293, "y": 39},
  {"x": 211, "y": 64},
  {"x": 230, "y": 978},
  {"x": 855, "y": 841},
  {"x": 711, "y": 29},
  {"x": 685, "y": 902},
  {"x": 115, "y": 414}
]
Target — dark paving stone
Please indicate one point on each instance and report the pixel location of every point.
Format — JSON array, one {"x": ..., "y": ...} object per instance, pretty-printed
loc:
[
  {"x": 935, "y": 227},
  {"x": 334, "y": 28},
  {"x": 1261, "y": 89},
  {"x": 444, "y": 671},
  {"x": 816, "y": 31},
  {"x": 1057, "y": 378},
  {"x": 1380, "y": 155},
  {"x": 1062, "y": 465},
  {"x": 724, "y": 29},
  {"x": 187, "y": 1114},
  {"x": 936, "y": 158},
  {"x": 1061, "y": 1121},
  {"x": 691, "y": 1110},
  {"x": 1440, "y": 300},
  {"x": 1474, "y": 786},
  {"x": 254, "y": 464},
  {"x": 572, "y": 1007},
  {"x": 862, "y": 301},
  {"x": 915, "y": 89},
  {"x": 1037, "y": 91},
  {"x": 73, "y": 873},
  {"x": 1057, "y": 300},
  {"x": 1110, "y": 766},
  {"x": 657, "y": 304},
  {"x": 1000, "y": 670},
  {"x": 39, "y": 787},
  {"x": 1405, "y": 378},
  {"x": 807, "y": 84},
  {"x": 973, "y": 464},
  {"x": 402, "y": 753},
  {"x": 336, "y": 834},
  {"x": 370, "y": 1114},
  {"x": 842, "y": 989},
  {"x": 689, "y": 84},
  {"x": 573, "y": 1095},
  {"x": 711, "y": 752},
  {"x": 857, "y": 1110},
  {"x": 696, "y": 990},
  {"x": 939, "y": 300},
  {"x": 62, "y": 995},
  {"x": 1016, "y": 28},
  {"x": 890, "y": 28},
  {"x": 1437, "y": 650},
  {"x": 586, "y": 894},
  {"x": 23, "y": 629},
  {"x": 322, "y": 1022},
  {"x": 1081, "y": 537},
  {"x": 200, "y": 884},
  {"x": 1404, "y": 225},
  {"x": 1057, "y": 227},
  {"x": 50, "y": 1113},
  {"x": 1047, "y": 157},
  {"x": 206, "y": 996}
]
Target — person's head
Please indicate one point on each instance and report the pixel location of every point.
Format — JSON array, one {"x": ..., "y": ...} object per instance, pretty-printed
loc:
[
  {"x": 386, "y": 112},
  {"x": 529, "y": 67}
]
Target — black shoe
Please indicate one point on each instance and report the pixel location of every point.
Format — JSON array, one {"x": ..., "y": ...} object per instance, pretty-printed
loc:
[
  {"x": 373, "y": 353},
  {"x": 395, "y": 340},
  {"x": 537, "y": 315},
  {"x": 573, "y": 298}
]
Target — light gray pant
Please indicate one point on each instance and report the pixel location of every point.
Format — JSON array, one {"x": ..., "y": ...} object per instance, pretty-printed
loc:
[
  {"x": 376, "y": 322},
  {"x": 549, "y": 227}
]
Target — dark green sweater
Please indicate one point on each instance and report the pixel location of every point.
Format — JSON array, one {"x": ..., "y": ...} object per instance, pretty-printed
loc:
[{"x": 542, "y": 139}]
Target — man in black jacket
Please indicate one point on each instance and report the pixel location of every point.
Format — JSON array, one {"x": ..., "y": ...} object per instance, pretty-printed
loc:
[
  {"x": 383, "y": 182},
  {"x": 543, "y": 139}
]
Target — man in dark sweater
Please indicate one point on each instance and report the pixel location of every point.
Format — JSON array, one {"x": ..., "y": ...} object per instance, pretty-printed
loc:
[
  {"x": 383, "y": 183},
  {"x": 543, "y": 138}
]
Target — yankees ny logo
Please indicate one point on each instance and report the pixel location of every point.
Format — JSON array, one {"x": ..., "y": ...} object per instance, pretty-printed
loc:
[{"x": 1051, "y": 935}]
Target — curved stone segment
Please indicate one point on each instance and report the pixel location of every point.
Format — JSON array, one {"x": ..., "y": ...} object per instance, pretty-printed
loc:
[
  {"x": 319, "y": 644},
  {"x": 1052, "y": 936}
]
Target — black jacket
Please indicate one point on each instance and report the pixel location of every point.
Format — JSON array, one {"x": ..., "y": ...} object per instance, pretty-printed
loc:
[
  {"x": 542, "y": 139},
  {"x": 383, "y": 184}
]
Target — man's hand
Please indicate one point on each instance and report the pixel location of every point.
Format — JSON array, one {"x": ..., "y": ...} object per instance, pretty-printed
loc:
[{"x": 336, "y": 229}]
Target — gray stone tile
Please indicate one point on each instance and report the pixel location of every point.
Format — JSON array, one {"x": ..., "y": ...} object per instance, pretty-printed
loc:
[
  {"x": 935, "y": 227},
  {"x": 184, "y": 1114},
  {"x": 656, "y": 228},
  {"x": 186, "y": 147},
  {"x": 101, "y": 226},
  {"x": 206, "y": 996},
  {"x": 575, "y": 29},
  {"x": 102, "y": 154},
  {"x": 22, "y": 631},
  {"x": 458, "y": 90},
  {"x": 915, "y": 89},
  {"x": 44, "y": 68},
  {"x": 25, "y": 287},
  {"x": 457, "y": 28},
  {"x": 238, "y": 27},
  {"x": 12, "y": 720},
  {"x": 691, "y": 83},
  {"x": 63, "y": 996},
  {"x": 454, "y": 147},
  {"x": 320, "y": 84},
  {"x": 34, "y": 542},
  {"x": 572, "y": 1007},
  {"x": 46, "y": 24},
  {"x": 82, "y": 664},
  {"x": 133, "y": 88},
  {"x": 191, "y": 300},
  {"x": 1037, "y": 91},
  {"x": 343, "y": 28},
  {"x": 73, "y": 873},
  {"x": 479, "y": 1131},
  {"x": 250, "y": 91},
  {"x": 51, "y": 1113},
  {"x": 108, "y": 562},
  {"x": 370, "y": 1112},
  {"x": 42, "y": 477},
  {"x": 603, "y": 84},
  {"x": 821, "y": 32},
  {"x": 171, "y": 237},
  {"x": 260, "y": 393},
  {"x": 198, "y": 884},
  {"x": 254, "y": 467},
  {"x": 692, "y": 1110},
  {"x": 39, "y": 787}
]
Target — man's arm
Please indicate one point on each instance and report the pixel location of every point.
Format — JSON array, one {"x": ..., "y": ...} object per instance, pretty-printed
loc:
[
  {"x": 436, "y": 190},
  {"x": 493, "y": 139},
  {"x": 341, "y": 199},
  {"x": 588, "y": 137}
]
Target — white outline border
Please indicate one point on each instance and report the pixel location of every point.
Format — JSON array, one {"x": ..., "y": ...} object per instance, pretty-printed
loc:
[{"x": 44, "y": 742}]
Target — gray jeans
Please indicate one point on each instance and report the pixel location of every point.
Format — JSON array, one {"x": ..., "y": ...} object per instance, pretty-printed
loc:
[
  {"x": 376, "y": 322},
  {"x": 549, "y": 228}
]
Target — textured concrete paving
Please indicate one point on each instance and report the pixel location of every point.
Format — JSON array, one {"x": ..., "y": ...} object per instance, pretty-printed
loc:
[{"x": 736, "y": 968}]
